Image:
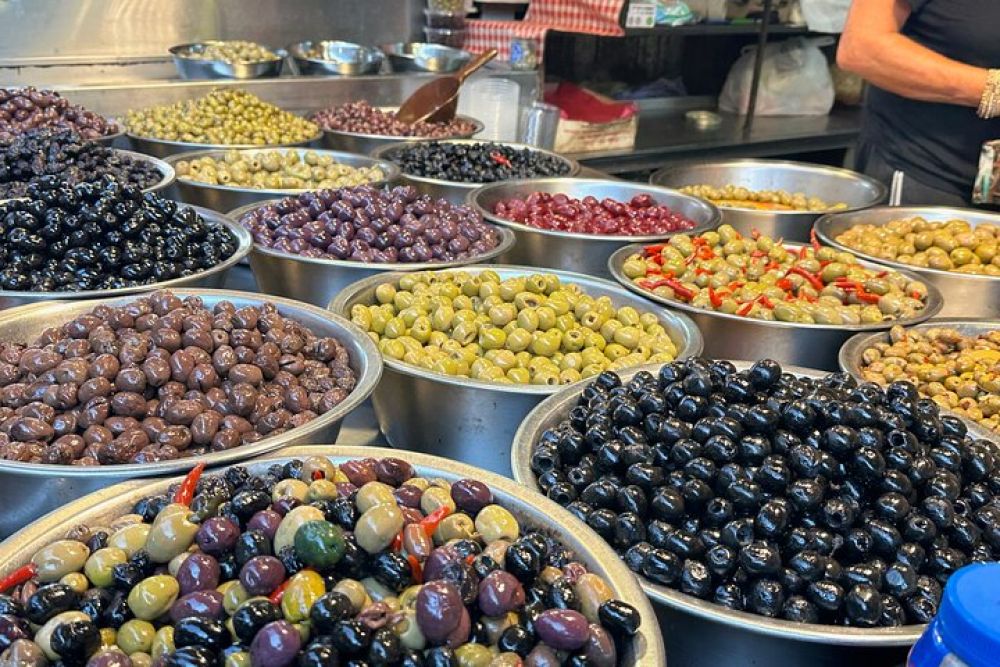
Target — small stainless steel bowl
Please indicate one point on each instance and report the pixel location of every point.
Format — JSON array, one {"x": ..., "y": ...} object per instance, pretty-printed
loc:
[
  {"x": 167, "y": 174},
  {"x": 227, "y": 198},
  {"x": 828, "y": 183},
  {"x": 212, "y": 277},
  {"x": 472, "y": 420},
  {"x": 335, "y": 57},
  {"x": 366, "y": 144},
  {"x": 425, "y": 57},
  {"x": 198, "y": 68},
  {"x": 965, "y": 294},
  {"x": 163, "y": 148},
  {"x": 732, "y": 336},
  {"x": 33, "y": 489},
  {"x": 116, "y": 136},
  {"x": 583, "y": 253},
  {"x": 318, "y": 281},
  {"x": 453, "y": 191},
  {"x": 699, "y": 633},
  {"x": 531, "y": 510}
]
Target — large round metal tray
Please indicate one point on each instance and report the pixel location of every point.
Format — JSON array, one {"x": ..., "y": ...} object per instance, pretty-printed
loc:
[
  {"x": 32, "y": 489},
  {"x": 366, "y": 144},
  {"x": 733, "y": 337},
  {"x": 472, "y": 420},
  {"x": 163, "y": 148},
  {"x": 197, "y": 68},
  {"x": 965, "y": 294},
  {"x": 828, "y": 183},
  {"x": 338, "y": 59},
  {"x": 583, "y": 253}
]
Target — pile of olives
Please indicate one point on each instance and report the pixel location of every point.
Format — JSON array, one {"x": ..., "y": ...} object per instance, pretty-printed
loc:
[
  {"x": 275, "y": 170},
  {"x": 735, "y": 196},
  {"x": 484, "y": 162},
  {"x": 313, "y": 564},
  {"x": 233, "y": 51},
  {"x": 23, "y": 109},
  {"x": 530, "y": 329},
  {"x": 223, "y": 117},
  {"x": 815, "y": 500}
]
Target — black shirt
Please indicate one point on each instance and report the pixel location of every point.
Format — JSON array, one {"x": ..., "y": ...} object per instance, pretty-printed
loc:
[{"x": 938, "y": 144}]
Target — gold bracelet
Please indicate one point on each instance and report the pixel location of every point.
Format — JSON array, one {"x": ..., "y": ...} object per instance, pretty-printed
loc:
[{"x": 989, "y": 104}]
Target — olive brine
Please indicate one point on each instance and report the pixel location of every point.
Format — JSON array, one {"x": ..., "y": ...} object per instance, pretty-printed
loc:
[{"x": 816, "y": 500}]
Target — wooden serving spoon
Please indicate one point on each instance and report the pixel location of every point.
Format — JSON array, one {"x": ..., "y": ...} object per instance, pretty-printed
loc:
[{"x": 436, "y": 101}]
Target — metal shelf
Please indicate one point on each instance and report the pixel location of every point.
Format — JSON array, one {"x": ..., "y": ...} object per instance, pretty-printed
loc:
[{"x": 722, "y": 29}]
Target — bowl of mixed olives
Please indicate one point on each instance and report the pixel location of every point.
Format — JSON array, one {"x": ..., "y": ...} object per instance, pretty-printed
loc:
[
  {"x": 360, "y": 557},
  {"x": 957, "y": 250},
  {"x": 470, "y": 351},
  {"x": 227, "y": 59},
  {"x": 778, "y": 513}
]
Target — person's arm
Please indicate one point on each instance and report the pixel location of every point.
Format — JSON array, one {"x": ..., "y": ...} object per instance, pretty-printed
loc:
[{"x": 873, "y": 47}]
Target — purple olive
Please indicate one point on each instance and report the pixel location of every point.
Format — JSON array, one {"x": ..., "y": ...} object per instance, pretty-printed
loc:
[
  {"x": 109, "y": 658},
  {"x": 440, "y": 561},
  {"x": 198, "y": 572},
  {"x": 499, "y": 593},
  {"x": 266, "y": 522},
  {"x": 262, "y": 574},
  {"x": 217, "y": 535},
  {"x": 460, "y": 634},
  {"x": 562, "y": 629},
  {"x": 393, "y": 471},
  {"x": 600, "y": 649},
  {"x": 12, "y": 628},
  {"x": 439, "y": 610},
  {"x": 359, "y": 471},
  {"x": 275, "y": 645},
  {"x": 206, "y": 604},
  {"x": 408, "y": 495},
  {"x": 471, "y": 496}
]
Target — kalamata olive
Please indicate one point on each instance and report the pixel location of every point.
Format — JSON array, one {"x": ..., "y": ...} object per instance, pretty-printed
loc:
[
  {"x": 276, "y": 644},
  {"x": 109, "y": 658},
  {"x": 499, "y": 593},
  {"x": 12, "y": 628},
  {"x": 198, "y": 572},
  {"x": 471, "y": 496},
  {"x": 439, "y": 609},
  {"x": 265, "y": 522},
  {"x": 204, "y": 603},
  {"x": 217, "y": 535},
  {"x": 262, "y": 574},
  {"x": 562, "y": 629}
]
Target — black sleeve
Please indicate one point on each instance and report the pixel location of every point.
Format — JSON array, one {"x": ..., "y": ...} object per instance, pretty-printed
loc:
[{"x": 917, "y": 5}]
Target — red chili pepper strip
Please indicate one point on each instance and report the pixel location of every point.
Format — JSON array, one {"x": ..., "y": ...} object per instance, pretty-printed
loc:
[
  {"x": 279, "y": 592},
  {"x": 704, "y": 252},
  {"x": 867, "y": 297},
  {"x": 802, "y": 251},
  {"x": 784, "y": 283},
  {"x": 430, "y": 522},
  {"x": 916, "y": 295},
  {"x": 813, "y": 239},
  {"x": 813, "y": 279},
  {"x": 18, "y": 577},
  {"x": 500, "y": 159},
  {"x": 701, "y": 272},
  {"x": 714, "y": 297},
  {"x": 654, "y": 249},
  {"x": 653, "y": 284},
  {"x": 397, "y": 542},
  {"x": 881, "y": 274},
  {"x": 758, "y": 253},
  {"x": 185, "y": 492},
  {"x": 318, "y": 474},
  {"x": 679, "y": 289},
  {"x": 415, "y": 569},
  {"x": 764, "y": 301},
  {"x": 657, "y": 259},
  {"x": 745, "y": 309}
]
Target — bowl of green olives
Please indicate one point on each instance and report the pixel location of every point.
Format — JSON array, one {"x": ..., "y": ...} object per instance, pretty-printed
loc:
[
  {"x": 955, "y": 249},
  {"x": 227, "y": 59},
  {"x": 469, "y": 352},
  {"x": 225, "y": 180}
]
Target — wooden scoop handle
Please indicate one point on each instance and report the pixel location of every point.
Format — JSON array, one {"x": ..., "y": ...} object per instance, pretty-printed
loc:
[{"x": 475, "y": 64}]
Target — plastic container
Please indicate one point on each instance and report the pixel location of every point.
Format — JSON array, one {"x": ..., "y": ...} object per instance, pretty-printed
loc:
[
  {"x": 966, "y": 631},
  {"x": 494, "y": 102},
  {"x": 441, "y": 19},
  {"x": 446, "y": 36}
]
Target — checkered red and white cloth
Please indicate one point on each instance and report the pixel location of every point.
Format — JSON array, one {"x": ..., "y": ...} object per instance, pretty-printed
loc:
[{"x": 592, "y": 17}]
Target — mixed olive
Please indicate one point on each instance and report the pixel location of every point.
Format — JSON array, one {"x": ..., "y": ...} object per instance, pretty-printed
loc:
[
  {"x": 811, "y": 499},
  {"x": 23, "y": 109},
  {"x": 313, "y": 564},
  {"x": 232, "y": 51},
  {"x": 275, "y": 170},
  {"x": 484, "y": 162},
  {"x": 529, "y": 329},
  {"x": 362, "y": 118},
  {"x": 760, "y": 278},
  {"x": 735, "y": 196}
]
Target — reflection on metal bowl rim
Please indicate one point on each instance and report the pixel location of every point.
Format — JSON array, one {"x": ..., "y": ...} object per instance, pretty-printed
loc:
[
  {"x": 931, "y": 308},
  {"x": 221, "y": 147}
]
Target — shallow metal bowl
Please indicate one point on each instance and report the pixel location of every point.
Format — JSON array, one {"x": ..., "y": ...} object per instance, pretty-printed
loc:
[
  {"x": 197, "y": 68},
  {"x": 226, "y": 197},
  {"x": 965, "y": 294},
  {"x": 584, "y": 253},
  {"x": 734, "y": 337},
  {"x": 830, "y": 184},
  {"x": 699, "y": 633},
  {"x": 531, "y": 510},
  {"x": 212, "y": 277},
  {"x": 336, "y": 57},
  {"x": 366, "y": 144},
  {"x": 472, "y": 420},
  {"x": 163, "y": 148},
  {"x": 32, "y": 489},
  {"x": 167, "y": 174},
  {"x": 455, "y": 192},
  {"x": 425, "y": 57},
  {"x": 110, "y": 139},
  {"x": 318, "y": 281}
]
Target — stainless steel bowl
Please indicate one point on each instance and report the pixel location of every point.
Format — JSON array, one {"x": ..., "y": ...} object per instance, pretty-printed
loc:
[
  {"x": 454, "y": 192},
  {"x": 735, "y": 337},
  {"x": 163, "y": 148},
  {"x": 965, "y": 294},
  {"x": 110, "y": 139},
  {"x": 366, "y": 144},
  {"x": 584, "y": 253},
  {"x": 336, "y": 57},
  {"x": 828, "y": 183},
  {"x": 213, "y": 277},
  {"x": 425, "y": 57},
  {"x": 226, "y": 198},
  {"x": 699, "y": 633},
  {"x": 197, "y": 68},
  {"x": 471, "y": 420},
  {"x": 318, "y": 281},
  {"x": 32, "y": 489},
  {"x": 167, "y": 174},
  {"x": 531, "y": 510}
]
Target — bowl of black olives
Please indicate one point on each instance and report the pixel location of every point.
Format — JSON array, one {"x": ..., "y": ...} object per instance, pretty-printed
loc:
[{"x": 781, "y": 514}]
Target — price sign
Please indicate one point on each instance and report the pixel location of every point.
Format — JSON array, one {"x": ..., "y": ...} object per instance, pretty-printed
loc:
[{"x": 640, "y": 15}]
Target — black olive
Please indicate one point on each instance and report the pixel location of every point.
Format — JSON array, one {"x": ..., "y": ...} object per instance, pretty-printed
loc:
[
  {"x": 199, "y": 631},
  {"x": 49, "y": 601},
  {"x": 254, "y": 614},
  {"x": 250, "y": 544},
  {"x": 662, "y": 566},
  {"x": 351, "y": 637},
  {"x": 621, "y": 618},
  {"x": 319, "y": 655},
  {"x": 191, "y": 656},
  {"x": 75, "y": 639},
  {"x": 729, "y": 596},
  {"x": 516, "y": 639},
  {"x": 696, "y": 579}
]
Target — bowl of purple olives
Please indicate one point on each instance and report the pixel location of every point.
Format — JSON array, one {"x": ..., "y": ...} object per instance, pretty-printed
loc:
[
  {"x": 361, "y": 557},
  {"x": 97, "y": 392},
  {"x": 311, "y": 246},
  {"x": 781, "y": 514}
]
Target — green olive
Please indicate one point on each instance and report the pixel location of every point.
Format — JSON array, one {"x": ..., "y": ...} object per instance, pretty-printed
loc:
[
  {"x": 285, "y": 535},
  {"x": 131, "y": 538},
  {"x": 153, "y": 596},
  {"x": 136, "y": 635},
  {"x": 304, "y": 588},
  {"x": 455, "y": 527},
  {"x": 372, "y": 494},
  {"x": 171, "y": 534},
  {"x": 494, "y": 523},
  {"x": 59, "y": 559},
  {"x": 378, "y": 527},
  {"x": 99, "y": 565}
]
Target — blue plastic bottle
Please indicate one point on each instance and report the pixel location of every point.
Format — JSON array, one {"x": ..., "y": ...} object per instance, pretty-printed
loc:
[{"x": 966, "y": 631}]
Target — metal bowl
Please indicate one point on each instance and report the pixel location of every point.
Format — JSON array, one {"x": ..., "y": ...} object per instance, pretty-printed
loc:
[
  {"x": 211, "y": 278},
  {"x": 335, "y": 57},
  {"x": 196, "y": 68},
  {"x": 110, "y": 139},
  {"x": 454, "y": 192},
  {"x": 227, "y": 198},
  {"x": 317, "y": 281},
  {"x": 471, "y": 420},
  {"x": 366, "y": 144},
  {"x": 425, "y": 57},
  {"x": 734, "y": 337},
  {"x": 32, "y": 489},
  {"x": 531, "y": 510},
  {"x": 167, "y": 174},
  {"x": 699, "y": 633},
  {"x": 965, "y": 295},
  {"x": 584, "y": 253},
  {"x": 830, "y": 184},
  {"x": 163, "y": 148}
]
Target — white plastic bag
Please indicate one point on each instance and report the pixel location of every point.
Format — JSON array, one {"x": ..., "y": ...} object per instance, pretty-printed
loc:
[
  {"x": 825, "y": 15},
  {"x": 795, "y": 80}
]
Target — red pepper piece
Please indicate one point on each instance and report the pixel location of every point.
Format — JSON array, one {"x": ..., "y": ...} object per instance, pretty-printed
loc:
[
  {"x": 500, "y": 159},
  {"x": 18, "y": 576},
  {"x": 397, "y": 542},
  {"x": 745, "y": 309},
  {"x": 679, "y": 289},
  {"x": 185, "y": 492},
  {"x": 758, "y": 253},
  {"x": 704, "y": 252},
  {"x": 318, "y": 474},
  {"x": 657, "y": 259},
  {"x": 867, "y": 297},
  {"x": 771, "y": 266},
  {"x": 279, "y": 592},
  {"x": 802, "y": 251},
  {"x": 415, "y": 569},
  {"x": 754, "y": 233},
  {"x": 701, "y": 272},
  {"x": 881, "y": 274},
  {"x": 916, "y": 295},
  {"x": 430, "y": 522},
  {"x": 654, "y": 249},
  {"x": 714, "y": 297},
  {"x": 784, "y": 283},
  {"x": 813, "y": 239},
  {"x": 764, "y": 301},
  {"x": 812, "y": 278}
]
